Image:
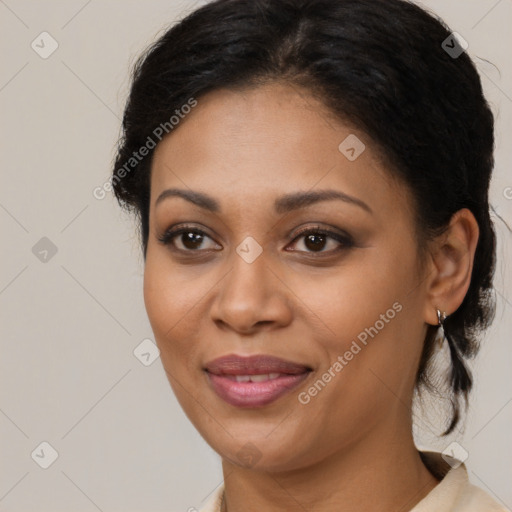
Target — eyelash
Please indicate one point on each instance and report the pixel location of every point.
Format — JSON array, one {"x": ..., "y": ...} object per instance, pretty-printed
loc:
[{"x": 345, "y": 240}]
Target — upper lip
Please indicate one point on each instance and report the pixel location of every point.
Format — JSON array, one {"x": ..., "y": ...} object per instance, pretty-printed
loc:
[{"x": 253, "y": 365}]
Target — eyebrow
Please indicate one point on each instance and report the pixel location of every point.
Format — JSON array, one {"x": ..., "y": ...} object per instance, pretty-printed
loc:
[{"x": 283, "y": 204}]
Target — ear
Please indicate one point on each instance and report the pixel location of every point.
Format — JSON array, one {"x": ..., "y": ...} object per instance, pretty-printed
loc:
[{"x": 452, "y": 256}]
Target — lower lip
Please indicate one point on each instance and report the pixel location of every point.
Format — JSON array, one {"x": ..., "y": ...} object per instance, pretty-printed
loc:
[{"x": 253, "y": 394}]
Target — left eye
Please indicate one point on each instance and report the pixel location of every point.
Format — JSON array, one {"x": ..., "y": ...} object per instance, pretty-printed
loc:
[{"x": 316, "y": 240}]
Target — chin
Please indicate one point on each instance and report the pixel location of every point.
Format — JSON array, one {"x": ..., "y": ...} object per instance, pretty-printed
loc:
[{"x": 256, "y": 450}]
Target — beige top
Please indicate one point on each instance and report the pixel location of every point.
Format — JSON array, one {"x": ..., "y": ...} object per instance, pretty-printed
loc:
[{"x": 454, "y": 493}]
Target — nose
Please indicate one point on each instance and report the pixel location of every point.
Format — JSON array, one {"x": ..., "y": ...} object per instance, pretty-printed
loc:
[{"x": 251, "y": 297}]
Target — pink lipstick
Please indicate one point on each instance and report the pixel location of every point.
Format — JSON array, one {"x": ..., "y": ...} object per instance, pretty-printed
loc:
[{"x": 254, "y": 381}]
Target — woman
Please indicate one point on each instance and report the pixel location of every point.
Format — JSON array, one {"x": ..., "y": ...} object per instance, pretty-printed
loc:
[{"x": 311, "y": 179}]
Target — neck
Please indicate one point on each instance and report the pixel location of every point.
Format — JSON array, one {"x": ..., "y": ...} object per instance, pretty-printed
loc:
[{"x": 372, "y": 475}]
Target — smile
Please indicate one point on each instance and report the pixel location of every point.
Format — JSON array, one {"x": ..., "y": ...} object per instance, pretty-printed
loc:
[{"x": 253, "y": 381}]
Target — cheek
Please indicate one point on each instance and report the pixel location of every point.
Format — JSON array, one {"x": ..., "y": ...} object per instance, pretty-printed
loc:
[
  {"x": 366, "y": 291},
  {"x": 172, "y": 308},
  {"x": 369, "y": 318},
  {"x": 171, "y": 302}
]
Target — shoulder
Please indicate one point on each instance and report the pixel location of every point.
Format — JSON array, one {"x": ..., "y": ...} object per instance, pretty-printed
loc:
[
  {"x": 454, "y": 493},
  {"x": 213, "y": 503},
  {"x": 474, "y": 499}
]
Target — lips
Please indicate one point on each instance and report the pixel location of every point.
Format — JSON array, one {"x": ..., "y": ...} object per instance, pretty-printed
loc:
[{"x": 254, "y": 381}]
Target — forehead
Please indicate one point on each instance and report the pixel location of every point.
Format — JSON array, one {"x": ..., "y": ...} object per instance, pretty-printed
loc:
[{"x": 263, "y": 142}]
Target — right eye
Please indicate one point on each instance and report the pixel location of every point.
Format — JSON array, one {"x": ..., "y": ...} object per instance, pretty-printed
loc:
[{"x": 191, "y": 239}]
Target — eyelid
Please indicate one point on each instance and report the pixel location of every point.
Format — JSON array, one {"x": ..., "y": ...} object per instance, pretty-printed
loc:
[{"x": 317, "y": 228}]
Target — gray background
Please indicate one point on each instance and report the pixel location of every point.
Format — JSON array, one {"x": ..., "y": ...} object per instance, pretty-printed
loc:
[{"x": 71, "y": 320}]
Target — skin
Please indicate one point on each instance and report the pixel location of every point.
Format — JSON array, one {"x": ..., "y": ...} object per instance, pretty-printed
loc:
[{"x": 351, "y": 446}]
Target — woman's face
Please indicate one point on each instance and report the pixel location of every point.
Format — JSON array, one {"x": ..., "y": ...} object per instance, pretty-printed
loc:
[{"x": 338, "y": 311}]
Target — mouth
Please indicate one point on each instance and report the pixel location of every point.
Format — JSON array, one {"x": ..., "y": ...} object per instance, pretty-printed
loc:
[{"x": 254, "y": 381}]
